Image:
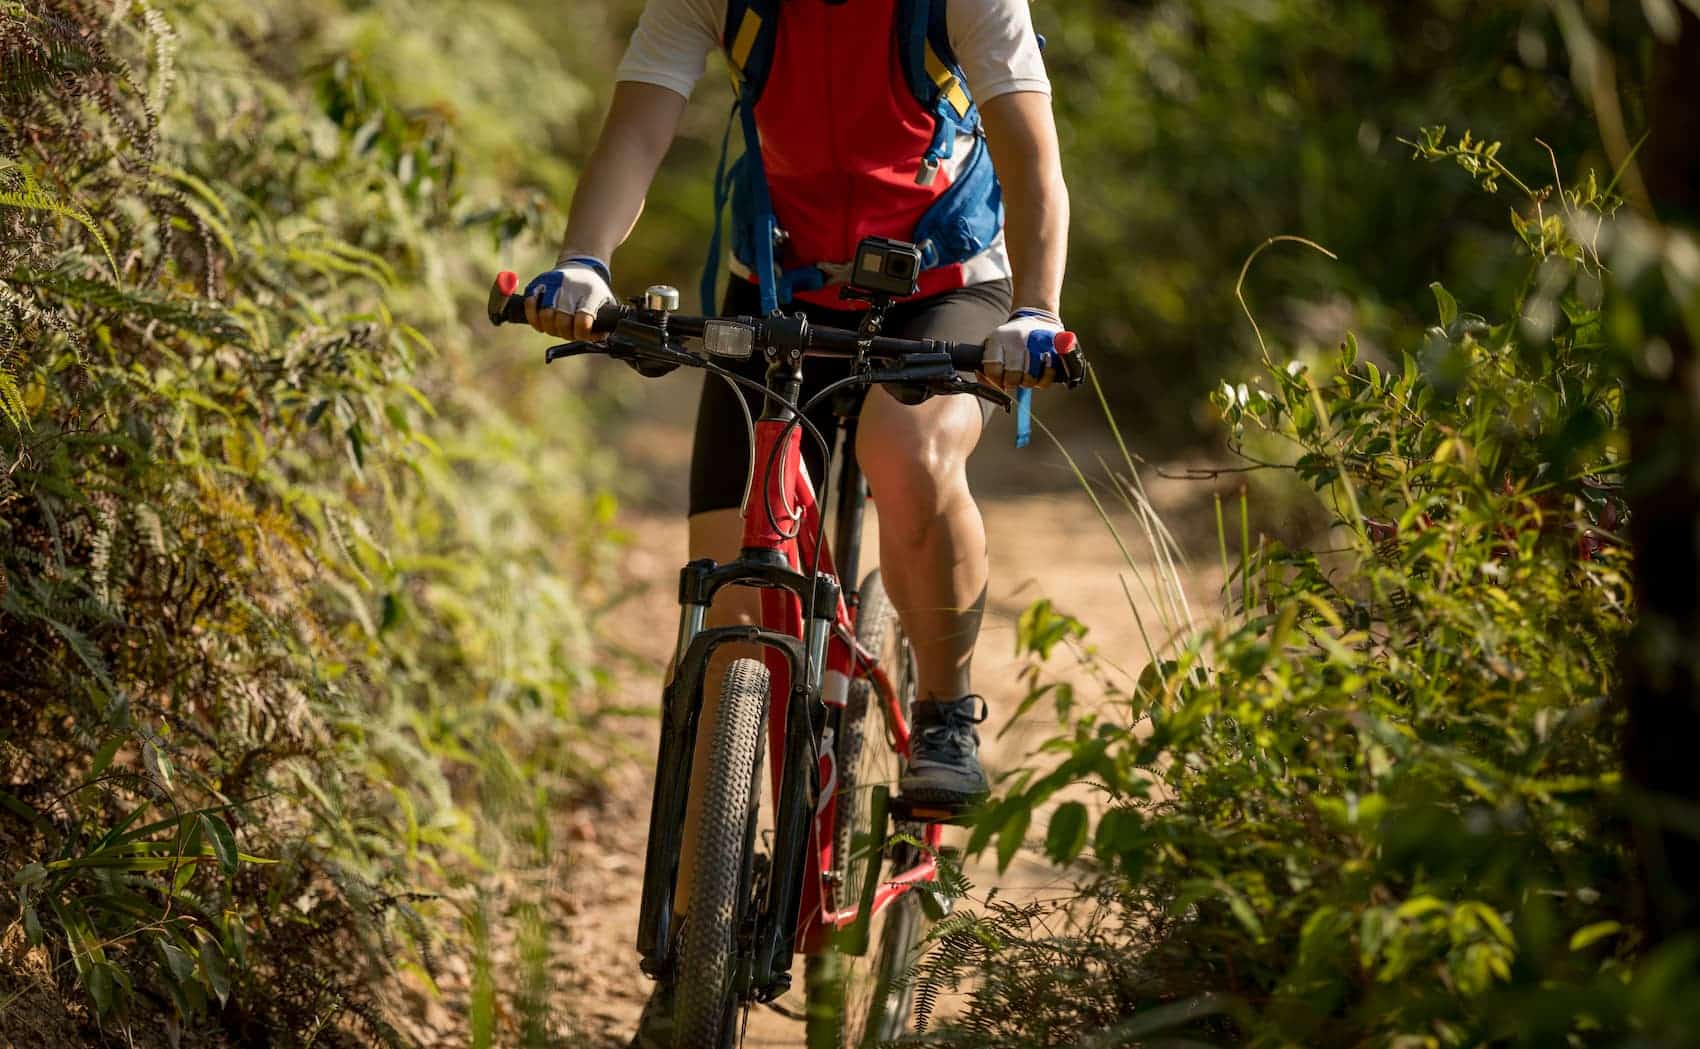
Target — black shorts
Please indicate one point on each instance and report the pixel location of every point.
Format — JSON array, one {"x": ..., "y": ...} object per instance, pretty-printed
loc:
[{"x": 720, "y": 451}]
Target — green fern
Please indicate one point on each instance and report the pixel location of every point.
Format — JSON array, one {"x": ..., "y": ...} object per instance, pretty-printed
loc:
[
  {"x": 12, "y": 400},
  {"x": 225, "y": 600},
  {"x": 29, "y": 196},
  {"x": 36, "y": 50},
  {"x": 177, "y": 311}
]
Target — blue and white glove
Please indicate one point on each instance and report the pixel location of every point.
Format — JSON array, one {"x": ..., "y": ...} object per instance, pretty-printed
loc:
[
  {"x": 1014, "y": 358},
  {"x": 1031, "y": 349},
  {"x": 563, "y": 302}
]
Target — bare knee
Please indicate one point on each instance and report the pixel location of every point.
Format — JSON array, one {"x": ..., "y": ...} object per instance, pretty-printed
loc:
[{"x": 916, "y": 466}]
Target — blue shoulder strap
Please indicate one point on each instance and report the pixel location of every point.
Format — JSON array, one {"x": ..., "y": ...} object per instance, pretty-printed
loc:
[{"x": 751, "y": 29}]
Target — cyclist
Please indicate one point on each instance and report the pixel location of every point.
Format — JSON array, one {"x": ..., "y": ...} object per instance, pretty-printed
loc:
[{"x": 868, "y": 117}]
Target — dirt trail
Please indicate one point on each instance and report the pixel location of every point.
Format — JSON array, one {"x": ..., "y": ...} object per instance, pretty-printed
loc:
[{"x": 1046, "y": 541}]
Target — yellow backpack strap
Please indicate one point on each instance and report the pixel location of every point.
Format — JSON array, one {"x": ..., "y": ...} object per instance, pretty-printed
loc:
[
  {"x": 935, "y": 78},
  {"x": 950, "y": 85},
  {"x": 742, "y": 44},
  {"x": 748, "y": 43}
]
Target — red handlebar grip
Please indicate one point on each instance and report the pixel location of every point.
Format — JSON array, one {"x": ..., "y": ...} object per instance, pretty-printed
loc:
[{"x": 1071, "y": 360}]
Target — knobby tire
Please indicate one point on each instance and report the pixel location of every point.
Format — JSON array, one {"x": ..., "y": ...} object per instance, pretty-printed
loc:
[{"x": 721, "y": 895}]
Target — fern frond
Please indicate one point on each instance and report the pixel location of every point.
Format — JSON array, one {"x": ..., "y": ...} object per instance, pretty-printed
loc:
[
  {"x": 84, "y": 649},
  {"x": 186, "y": 314},
  {"x": 37, "y": 50},
  {"x": 331, "y": 258},
  {"x": 30, "y": 197},
  {"x": 197, "y": 185},
  {"x": 165, "y": 51},
  {"x": 12, "y": 400}
]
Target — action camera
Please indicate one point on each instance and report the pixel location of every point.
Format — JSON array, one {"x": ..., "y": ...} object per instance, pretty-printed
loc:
[{"x": 886, "y": 267}]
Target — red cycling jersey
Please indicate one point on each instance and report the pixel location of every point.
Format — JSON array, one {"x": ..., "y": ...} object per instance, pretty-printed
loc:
[{"x": 842, "y": 137}]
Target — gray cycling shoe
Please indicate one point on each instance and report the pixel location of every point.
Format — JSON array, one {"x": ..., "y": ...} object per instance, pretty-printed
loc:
[
  {"x": 944, "y": 761},
  {"x": 655, "y": 1024}
]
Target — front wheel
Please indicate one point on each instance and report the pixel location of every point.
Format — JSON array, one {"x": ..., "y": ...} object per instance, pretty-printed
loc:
[{"x": 722, "y": 895}]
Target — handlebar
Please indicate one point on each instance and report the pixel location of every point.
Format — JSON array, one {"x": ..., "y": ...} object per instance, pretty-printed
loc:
[{"x": 642, "y": 336}]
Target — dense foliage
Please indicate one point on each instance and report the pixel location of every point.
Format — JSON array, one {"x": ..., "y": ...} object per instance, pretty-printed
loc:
[
  {"x": 1380, "y": 803},
  {"x": 1193, "y": 131},
  {"x": 288, "y": 607},
  {"x": 293, "y": 631}
]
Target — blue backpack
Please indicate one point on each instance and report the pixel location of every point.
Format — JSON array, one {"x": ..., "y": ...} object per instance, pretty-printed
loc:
[{"x": 962, "y": 223}]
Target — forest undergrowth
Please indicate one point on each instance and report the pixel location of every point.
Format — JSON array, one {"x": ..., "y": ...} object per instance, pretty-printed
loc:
[
  {"x": 297, "y": 623},
  {"x": 1379, "y": 802},
  {"x": 293, "y": 627}
]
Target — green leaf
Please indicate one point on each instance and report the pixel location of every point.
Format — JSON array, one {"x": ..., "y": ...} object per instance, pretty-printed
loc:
[
  {"x": 1012, "y": 836},
  {"x": 1448, "y": 305},
  {"x": 214, "y": 970},
  {"x": 17, "y": 807},
  {"x": 32, "y": 923},
  {"x": 1066, "y": 835},
  {"x": 989, "y": 822},
  {"x": 102, "y": 987},
  {"x": 30, "y": 196},
  {"x": 1027, "y": 703},
  {"x": 84, "y": 650},
  {"x": 12, "y": 401},
  {"x": 1242, "y": 910},
  {"x": 157, "y": 763},
  {"x": 177, "y": 962},
  {"x": 103, "y": 758},
  {"x": 1040, "y": 627},
  {"x": 187, "y": 851},
  {"x": 1589, "y": 934},
  {"x": 1118, "y": 832},
  {"x": 1418, "y": 907},
  {"x": 223, "y": 841}
]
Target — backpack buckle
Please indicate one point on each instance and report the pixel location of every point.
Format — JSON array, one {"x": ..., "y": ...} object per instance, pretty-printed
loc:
[{"x": 928, "y": 171}]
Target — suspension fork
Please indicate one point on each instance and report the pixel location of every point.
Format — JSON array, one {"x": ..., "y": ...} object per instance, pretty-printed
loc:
[
  {"x": 682, "y": 703},
  {"x": 794, "y": 810},
  {"x": 851, "y": 509}
]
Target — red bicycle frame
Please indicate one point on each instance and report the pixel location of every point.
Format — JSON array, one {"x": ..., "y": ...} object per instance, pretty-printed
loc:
[{"x": 784, "y": 516}]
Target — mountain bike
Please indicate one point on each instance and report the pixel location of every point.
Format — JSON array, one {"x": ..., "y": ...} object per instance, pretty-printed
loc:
[{"x": 832, "y": 695}]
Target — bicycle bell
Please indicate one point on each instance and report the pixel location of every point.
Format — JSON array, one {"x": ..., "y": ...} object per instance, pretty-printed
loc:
[{"x": 661, "y": 297}]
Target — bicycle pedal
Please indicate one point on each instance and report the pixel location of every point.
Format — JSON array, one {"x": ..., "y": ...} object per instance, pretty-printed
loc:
[
  {"x": 925, "y": 812},
  {"x": 787, "y": 1011}
]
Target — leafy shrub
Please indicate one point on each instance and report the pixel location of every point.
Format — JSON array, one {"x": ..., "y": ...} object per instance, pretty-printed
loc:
[
  {"x": 288, "y": 629},
  {"x": 1191, "y": 130},
  {"x": 1379, "y": 803}
]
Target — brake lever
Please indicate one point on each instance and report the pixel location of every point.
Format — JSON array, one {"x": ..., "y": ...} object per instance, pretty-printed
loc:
[
  {"x": 996, "y": 396},
  {"x": 940, "y": 379},
  {"x": 571, "y": 349}
]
